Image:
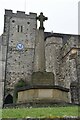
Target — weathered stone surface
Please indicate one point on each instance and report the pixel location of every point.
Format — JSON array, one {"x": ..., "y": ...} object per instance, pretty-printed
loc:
[
  {"x": 52, "y": 52},
  {"x": 39, "y": 95},
  {"x": 39, "y": 60},
  {"x": 19, "y": 64},
  {"x": 74, "y": 87},
  {"x": 1, "y": 94},
  {"x": 1, "y": 75},
  {"x": 42, "y": 78}
]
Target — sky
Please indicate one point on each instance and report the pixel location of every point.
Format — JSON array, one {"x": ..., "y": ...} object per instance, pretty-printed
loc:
[{"x": 62, "y": 14}]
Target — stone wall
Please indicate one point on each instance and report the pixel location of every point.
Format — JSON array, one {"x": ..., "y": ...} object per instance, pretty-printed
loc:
[
  {"x": 62, "y": 59},
  {"x": 52, "y": 52},
  {"x": 67, "y": 63},
  {"x": 1, "y": 75},
  {"x": 18, "y": 28},
  {"x": 78, "y": 74}
]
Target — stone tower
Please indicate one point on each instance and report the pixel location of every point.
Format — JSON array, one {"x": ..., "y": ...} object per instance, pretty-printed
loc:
[{"x": 19, "y": 42}]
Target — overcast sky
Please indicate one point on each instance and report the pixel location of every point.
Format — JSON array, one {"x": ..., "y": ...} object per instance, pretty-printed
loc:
[{"x": 62, "y": 14}]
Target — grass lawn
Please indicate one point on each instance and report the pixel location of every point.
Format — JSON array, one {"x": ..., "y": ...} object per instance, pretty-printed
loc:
[{"x": 49, "y": 112}]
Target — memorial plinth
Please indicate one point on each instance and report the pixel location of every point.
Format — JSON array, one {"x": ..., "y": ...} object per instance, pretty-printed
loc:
[
  {"x": 42, "y": 87},
  {"x": 42, "y": 79},
  {"x": 46, "y": 95}
]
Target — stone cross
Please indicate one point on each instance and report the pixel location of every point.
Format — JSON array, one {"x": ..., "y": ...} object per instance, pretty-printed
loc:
[{"x": 41, "y": 18}]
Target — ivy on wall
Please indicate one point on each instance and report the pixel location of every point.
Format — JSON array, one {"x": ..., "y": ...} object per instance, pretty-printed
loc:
[{"x": 21, "y": 83}]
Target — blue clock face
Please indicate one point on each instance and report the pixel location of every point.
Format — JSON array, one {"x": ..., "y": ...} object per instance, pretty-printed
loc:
[{"x": 20, "y": 46}]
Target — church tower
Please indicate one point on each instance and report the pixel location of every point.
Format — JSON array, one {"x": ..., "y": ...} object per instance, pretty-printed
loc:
[{"x": 19, "y": 42}]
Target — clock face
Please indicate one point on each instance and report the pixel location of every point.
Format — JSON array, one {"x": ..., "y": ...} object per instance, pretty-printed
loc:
[{"x": 20, "y": 46}]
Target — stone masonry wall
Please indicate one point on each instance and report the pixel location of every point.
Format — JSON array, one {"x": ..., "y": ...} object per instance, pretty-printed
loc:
[
  {"x": 19, "y": 64},
  {"x": 78, "y": 74},
  {"x": 59, "y": 61},
  {"x": 1, "y": 75},
  {"x": 52, "y": 51},
  {"x": 68, "y": 63}
]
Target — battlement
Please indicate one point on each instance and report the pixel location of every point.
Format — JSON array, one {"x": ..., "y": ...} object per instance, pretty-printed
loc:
[
  {"x": 20, "y": 14},
  {"x": 8, "y": 12}
]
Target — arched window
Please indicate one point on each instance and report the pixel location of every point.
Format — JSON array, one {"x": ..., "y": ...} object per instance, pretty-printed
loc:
[{"x": 8, "y": 99}]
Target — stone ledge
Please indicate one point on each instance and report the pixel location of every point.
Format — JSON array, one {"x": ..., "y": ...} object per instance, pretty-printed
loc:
[{"x": 43, "y": 87}]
